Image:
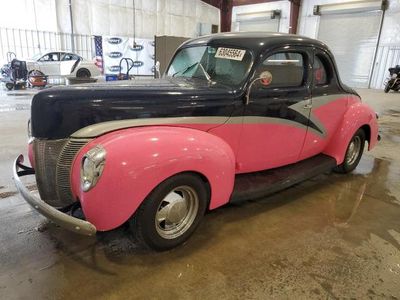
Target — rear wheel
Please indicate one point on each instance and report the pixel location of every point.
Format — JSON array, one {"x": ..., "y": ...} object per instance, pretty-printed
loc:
[
  {"x": 83, "y": 73},
  {"x": 387, "y": 88},
  {"x": 171, "y": 213},
  {"x": 9, "y": 86},
  {"x": 353, "y": 154}
]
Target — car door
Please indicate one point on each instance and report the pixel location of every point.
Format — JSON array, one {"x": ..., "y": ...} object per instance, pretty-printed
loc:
[
  {"x": 67, "y": 62},
  {"x": 329, "y": 103},
  {"x": 275, "y": 120},
  {"x": 49, "y": 63}
]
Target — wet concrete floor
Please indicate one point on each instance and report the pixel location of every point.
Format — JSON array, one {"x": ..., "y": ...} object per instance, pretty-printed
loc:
[{"x": 333, "y": 237}]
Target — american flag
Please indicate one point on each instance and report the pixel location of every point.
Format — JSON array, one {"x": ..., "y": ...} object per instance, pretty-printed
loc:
[{"x": 99, "y": 51}]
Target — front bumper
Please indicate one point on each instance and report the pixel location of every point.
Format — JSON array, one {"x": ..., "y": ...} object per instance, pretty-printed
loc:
[{"x": 60, "y": 218}]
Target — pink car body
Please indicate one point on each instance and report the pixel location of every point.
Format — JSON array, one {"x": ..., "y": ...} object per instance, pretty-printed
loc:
[{"x": 217, "y": 153}]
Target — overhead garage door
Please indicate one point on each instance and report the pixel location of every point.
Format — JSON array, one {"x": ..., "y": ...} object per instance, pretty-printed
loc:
[
  {"x": 353, "y": 45},
  {"x": 260, "y": 21},
  {"x": 259, "y": 25},
  {"x": 353, "y": 38}
]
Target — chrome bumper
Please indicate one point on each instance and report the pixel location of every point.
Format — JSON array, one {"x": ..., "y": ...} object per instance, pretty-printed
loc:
[{"x": 64, "y": 220}]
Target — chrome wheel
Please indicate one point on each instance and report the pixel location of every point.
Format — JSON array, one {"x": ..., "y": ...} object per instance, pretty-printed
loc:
[
  {"x": 354, "y": 150},
  {"x": 177, "y": 212}
]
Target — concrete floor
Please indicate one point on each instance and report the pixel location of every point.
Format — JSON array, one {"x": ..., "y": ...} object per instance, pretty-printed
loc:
[{"x": 336, "y": 236}]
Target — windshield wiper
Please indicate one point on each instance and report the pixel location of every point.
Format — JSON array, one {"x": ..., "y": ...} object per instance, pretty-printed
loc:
[
  {"x": 185, "y": 70},
  {"x": 208, "y": 77}
]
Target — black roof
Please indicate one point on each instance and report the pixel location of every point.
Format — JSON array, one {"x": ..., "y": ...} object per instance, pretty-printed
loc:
[{"x": 255, "y": 41}]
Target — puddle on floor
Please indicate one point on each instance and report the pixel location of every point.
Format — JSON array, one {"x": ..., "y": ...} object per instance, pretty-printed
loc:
[
  {"x": 331, "y": 237},
  {"x": 14, "y": 107}
]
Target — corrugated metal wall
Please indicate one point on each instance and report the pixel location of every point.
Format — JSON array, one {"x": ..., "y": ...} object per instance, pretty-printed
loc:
[
  {"x": 26, "y": 43},
  {"x": 387, "y": 57},
  {"x": 388, "y": 53},
  {"x": 48, "y": 22}
]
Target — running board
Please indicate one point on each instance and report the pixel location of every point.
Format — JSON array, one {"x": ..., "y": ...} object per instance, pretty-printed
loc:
[{"x": 260, "y": 184}]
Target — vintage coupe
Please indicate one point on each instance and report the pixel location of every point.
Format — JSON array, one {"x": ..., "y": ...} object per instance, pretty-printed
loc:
[{"x": 236, "y": 116}]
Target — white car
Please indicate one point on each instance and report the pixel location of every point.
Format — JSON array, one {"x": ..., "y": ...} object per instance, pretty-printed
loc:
[{"x": 62, "y": 63}]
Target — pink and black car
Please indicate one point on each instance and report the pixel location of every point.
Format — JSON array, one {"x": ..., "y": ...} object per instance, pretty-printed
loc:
[{"x": 236, "y": 116}]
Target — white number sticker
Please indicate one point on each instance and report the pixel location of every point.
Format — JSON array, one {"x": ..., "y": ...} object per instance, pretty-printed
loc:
[{"x": 230, "y": 53}]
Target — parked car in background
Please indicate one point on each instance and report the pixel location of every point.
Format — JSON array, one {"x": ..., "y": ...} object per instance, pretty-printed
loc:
[
  {"x": 237, "y": 116},
  {"x": 62, "y": 63}
]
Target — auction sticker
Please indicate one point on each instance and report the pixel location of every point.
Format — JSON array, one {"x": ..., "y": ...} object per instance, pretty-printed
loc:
[{"x": 230, "y": 53}]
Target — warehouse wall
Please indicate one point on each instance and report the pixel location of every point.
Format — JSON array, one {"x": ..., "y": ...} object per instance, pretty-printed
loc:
[
  {"x": 110, "y": 17},
  {"x": 283, "y": 6},
  {"x": 153, "y": 17}
]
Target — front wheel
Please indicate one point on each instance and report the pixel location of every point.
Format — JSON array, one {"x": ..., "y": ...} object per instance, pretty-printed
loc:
[
  {"x": 171, "y": 213},
  {"x": 353, "y": 154}
]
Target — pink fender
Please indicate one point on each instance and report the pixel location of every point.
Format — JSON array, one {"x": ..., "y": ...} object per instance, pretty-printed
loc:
[
  {"x": 138, "y": 159},
  {"x": 356, "y": 116}
]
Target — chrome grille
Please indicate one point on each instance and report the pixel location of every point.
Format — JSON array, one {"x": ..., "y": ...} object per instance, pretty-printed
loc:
[
  {"x": 46, "y": 156},
  {"x": 53, "y": 159},
  {"x": 63, "y": 169}
]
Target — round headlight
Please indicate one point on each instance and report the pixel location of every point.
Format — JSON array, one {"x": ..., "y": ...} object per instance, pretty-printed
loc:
[
  {"x": 394, "y": 75},
  {"x": 92, "y": 167}
]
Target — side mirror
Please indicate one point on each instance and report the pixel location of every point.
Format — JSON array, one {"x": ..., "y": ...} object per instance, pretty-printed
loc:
[
  {"x": 158, "y": 69},
  {"x": 265, "y": 78}
]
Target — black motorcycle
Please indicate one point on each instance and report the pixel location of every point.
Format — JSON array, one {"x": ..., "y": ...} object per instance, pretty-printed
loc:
[{"x": 393, "y": 82}]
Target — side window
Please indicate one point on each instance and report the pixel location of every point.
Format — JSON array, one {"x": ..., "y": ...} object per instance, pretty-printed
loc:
[
  {"x": 320, "y": 72},
  {"x": 70, "y": 56},
  {"x": 54, "y": 56},
  {"x": 282, "y": 69}
]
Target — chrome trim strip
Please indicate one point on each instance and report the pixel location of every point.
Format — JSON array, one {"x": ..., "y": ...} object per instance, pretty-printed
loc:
[
  {"x": 98, "y": 129},
  {"x": 51, "y": 213}
]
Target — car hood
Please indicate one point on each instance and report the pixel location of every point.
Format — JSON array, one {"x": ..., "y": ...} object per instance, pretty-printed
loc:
[{"x": 59, "y": 112}]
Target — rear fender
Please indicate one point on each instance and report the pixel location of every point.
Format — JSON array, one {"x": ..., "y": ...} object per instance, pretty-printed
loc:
[
  {"x": 139, "y": 159},
  {"x": 358, "y": 115}
]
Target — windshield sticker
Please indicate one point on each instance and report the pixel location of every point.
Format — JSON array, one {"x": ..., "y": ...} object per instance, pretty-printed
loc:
[{"x": 230, "y": 53}]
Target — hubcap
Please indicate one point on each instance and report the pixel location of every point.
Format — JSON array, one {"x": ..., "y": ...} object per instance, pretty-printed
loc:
[
  {"x": 176, "y": 212},
  {"x": 353, "y": 150}
]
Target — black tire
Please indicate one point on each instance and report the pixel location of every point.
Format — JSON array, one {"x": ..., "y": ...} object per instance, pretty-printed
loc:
[
  {"x": 352, "y": 158},
  {"x": 147, "y": 229},
  {"x": 83, "y": 73},
  {"x": 9, "y": 86},
  {"x": 387, "y": 88}
]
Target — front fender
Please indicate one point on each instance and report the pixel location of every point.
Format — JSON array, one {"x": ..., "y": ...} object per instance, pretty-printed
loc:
[
  {"x": 138, "y": 159},
  {"x": 357, "y": 116}
]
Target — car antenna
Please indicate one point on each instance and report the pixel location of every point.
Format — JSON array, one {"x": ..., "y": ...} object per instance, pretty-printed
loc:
[{"x": 134, "y": 24}]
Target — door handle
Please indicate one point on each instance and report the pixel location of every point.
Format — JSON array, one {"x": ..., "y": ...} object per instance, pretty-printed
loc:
[{"x": 308, "y": 104}]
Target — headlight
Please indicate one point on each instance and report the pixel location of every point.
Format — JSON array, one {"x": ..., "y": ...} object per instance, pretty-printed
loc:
[
  {"x": 394, "y": 75},
  {"x": 92, "y": 167}
]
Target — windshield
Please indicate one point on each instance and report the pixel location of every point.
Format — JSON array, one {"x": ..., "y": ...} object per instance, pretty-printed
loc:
[
  {"x": 219, "y": 64},
  {"x": 37, "y": 56}
]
